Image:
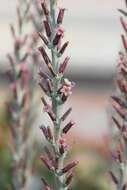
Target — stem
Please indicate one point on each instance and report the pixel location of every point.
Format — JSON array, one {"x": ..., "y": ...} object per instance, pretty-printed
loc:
[
  {"x": 119, "y": 104},
  {"x": 55, "y": 106},
  {"x": 18, "y": 150},
  {"x": 58, "y": 93}
]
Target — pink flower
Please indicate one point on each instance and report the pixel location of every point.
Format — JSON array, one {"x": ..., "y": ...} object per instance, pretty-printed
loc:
[
  {"x": 60, "y": 31},
  {"x": 62, "y": 145},
  {"x": 62, "y": 141},
  {"x": 66, "y": 90}
]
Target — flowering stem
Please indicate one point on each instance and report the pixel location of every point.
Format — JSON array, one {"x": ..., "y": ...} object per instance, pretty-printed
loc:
[
  {"x": 57, "y": 90},
  {"x": 119, "y": 153},
  {"x": 18, "y": 75}
]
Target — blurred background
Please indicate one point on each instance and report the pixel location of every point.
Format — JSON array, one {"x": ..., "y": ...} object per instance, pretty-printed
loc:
[{"x": 93, "y": 29}]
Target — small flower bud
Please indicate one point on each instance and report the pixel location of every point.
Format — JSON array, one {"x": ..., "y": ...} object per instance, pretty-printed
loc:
[
  {"x": 68, "y": 126},
  {"x": 120, "y": 111},
  {"x": 44, "y": 8},
  {"x": 49, "y": 132},
  {"x": 118, "y": 100},
  {"x": 124, "y": 42},
  {"x": 43, "y": 75},
  {"x": 69, "y": 179},
  {"x": 65, "y": 115},
  {"x": 44, "y": 130},
  {"x": 62, "y": 50},
  {"x": 117, "y": 123},
  {"x": 44, "y": 55},
  {"x": 60, "y": 16},
  {"x": 46, "y": 162},
  {"x": 64, "y": 65},
  {"x": 49, "y": 86},
  {"x": 49, "y": 110},
  {"x": 122, "y": 86},
  {"x": 123, "y": 24},
  {"x": 43, "y": 38},
  {"x": 47, "y": 28},
  {"x": 62, "y": 145},
  {"x": 46, "y": 59},
  {"x": 58, "y": 36},
  {"x": 56, "y": 39},
  {"x": 46, "y": 188},
  {"x": 124, "y": 71},
  {"x": 69, "y": 167},
  {"x": 115, "y": 180},
  {"x": 42, "y": 87}
]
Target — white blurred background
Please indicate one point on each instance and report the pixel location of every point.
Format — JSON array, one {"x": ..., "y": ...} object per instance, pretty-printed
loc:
[{"x": 93, "y": 29}]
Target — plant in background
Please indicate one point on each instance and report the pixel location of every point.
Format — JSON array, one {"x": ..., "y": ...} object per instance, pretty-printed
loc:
[
  {"x": 20, "y": 106},
  {"x": 57, "y": 89},
  {"x": 119, "y": 153}
]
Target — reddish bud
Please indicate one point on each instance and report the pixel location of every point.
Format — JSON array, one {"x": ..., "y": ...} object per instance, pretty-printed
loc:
[
  {"x": 123, "y": 24},
  {"x": 69, "y": 179},
  {"x": 120, "y": 111},
  {"x": 56, "y": 39},
  {"x": 46, "y": 162},
  {"x": 117, "y": 123},
  {"x": 69, "y": 167},
  {"x": 124, "y": 42},
  {"x": 49, "y": 111},
  {"x": 115, "y": 180},
  {"x": 43, "y": 75},
  {"x": 42, "y": 87},
  {"x": 44, "y": 54},
  {"x": 46, "y": 188},
  {"x": 60, "y": 16},
  {"x": 65, "y": 115},
  {"x": 64, "y": 65},
  {"x": 49, "y": 86},
  {"x": 62, "y": 50},
  {"x": 119, "y": 155},
  {"x": 118, "y": 100},
  {"x": 124, "y": 72},
  {"x": 43, "y": 38},
  {"x": 62, "y": 145},
  {"x": 44, "y": 130},
  {"x": 49, "y": 132},
  {"x": 46, "y": 59},
  {"x": 122, "y": 86},
  {"x": 47, "y": 28},
  {"x": 58, "y": 36},
  {"x": 44, "y": 8},
  {"x": 68, "y": 126}
]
